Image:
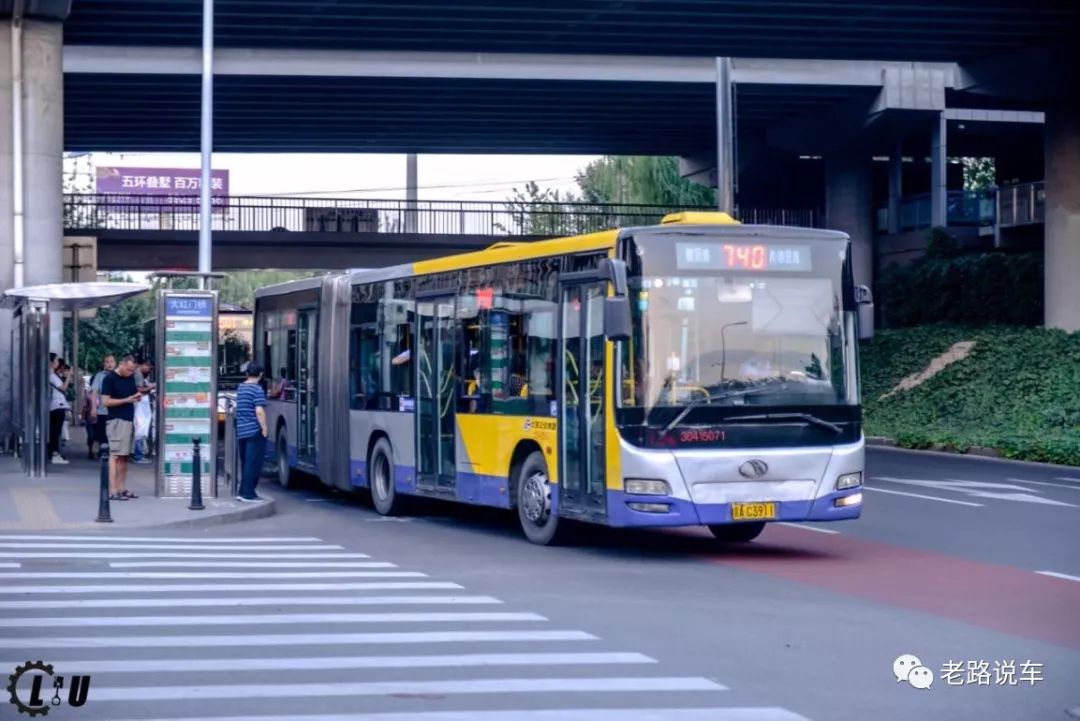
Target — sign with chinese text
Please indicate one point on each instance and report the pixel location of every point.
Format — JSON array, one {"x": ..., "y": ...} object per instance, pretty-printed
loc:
[
  {"x": 187, "y": 406},
  {"x": 162, "y": 190}
]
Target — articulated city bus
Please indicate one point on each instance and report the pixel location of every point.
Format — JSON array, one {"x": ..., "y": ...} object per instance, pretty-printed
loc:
[{"x": 697, "y": 372}]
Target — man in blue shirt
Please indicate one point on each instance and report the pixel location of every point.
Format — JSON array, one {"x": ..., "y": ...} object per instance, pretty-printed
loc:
[{"x": 251, "y": 431}]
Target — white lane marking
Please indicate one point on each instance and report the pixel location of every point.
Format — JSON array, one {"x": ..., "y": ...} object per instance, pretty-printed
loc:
[
  {"x": 270, "y": 619},
  {"x": 221, "y": 587},
  {"x": 804, "y": 527},
  {"x": 386, "y": 688},
  {"x": 978, "y": 489},
  {"x": 251, "y": 564},
  {"x": 729, "y": 713},
  {"x": 1063, "y": 576},
  {"x": 346, "y": 662},
  {"x": 171, "y": 546},
  {"x": 120, "y": 575},
  {"x": 919, "y": 495},
  {"x": 1067, "y": 478},
  {"x": 10, "y": 565},
  {"x": 159, "y": 539},
  {"x": 291, "y": 639},
  {"x": 167, "y": 554},
  {"x": 1051, "y": 484},
  {"x": 245, "y": 601}
]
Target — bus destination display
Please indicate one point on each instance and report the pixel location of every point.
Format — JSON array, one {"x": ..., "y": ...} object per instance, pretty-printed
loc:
[{"x": 742, "y": 256}]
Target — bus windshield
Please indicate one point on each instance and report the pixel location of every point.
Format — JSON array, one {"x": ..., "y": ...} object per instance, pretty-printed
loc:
[{"x": 731, "y": 321}]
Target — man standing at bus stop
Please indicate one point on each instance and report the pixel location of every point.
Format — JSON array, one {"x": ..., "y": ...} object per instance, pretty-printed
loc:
[
  {"x": 120, "y": 394},
  {"x": 251, "y": 431}
]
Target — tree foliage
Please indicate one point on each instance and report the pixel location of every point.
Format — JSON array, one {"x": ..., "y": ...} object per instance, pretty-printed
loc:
[
  {"x": 646, "y": 180},
  {"x": 966, "y": 289},
  {"x": 979, "y": 173}
]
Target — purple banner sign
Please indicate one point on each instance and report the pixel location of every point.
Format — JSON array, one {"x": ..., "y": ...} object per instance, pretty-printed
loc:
[{"x": 159, "y": 181}]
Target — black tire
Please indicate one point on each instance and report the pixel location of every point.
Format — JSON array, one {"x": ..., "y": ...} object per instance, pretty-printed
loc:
[
  {"x": 737, "y": 532},
  {"x": 533, "y": 501},
  {"x": 380, "y": 465},
  {"x": 281, "y": 449}
]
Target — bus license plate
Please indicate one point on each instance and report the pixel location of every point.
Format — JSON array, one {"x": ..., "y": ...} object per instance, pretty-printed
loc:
[{"x": 753, "y": 511}]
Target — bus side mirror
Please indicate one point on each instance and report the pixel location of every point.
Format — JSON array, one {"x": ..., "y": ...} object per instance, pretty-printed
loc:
[
  {"x": 863, "y": 296},
  {"x": 617, "y": 317}
]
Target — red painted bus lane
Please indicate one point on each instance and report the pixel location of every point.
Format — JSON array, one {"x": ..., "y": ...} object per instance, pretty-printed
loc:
[{"x": 1001, "y": 598}]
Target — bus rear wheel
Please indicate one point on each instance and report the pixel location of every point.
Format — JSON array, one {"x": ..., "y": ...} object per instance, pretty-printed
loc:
[
  {"x": 533, "y": 498},
  {"x": 737, "y": 532},
  {"x": 384, "y": 495},
  {"x": 281, "y": 446}
]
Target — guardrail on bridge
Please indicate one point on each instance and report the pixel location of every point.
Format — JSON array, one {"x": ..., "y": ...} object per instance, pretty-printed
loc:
[{"x": 89, "y": 212}]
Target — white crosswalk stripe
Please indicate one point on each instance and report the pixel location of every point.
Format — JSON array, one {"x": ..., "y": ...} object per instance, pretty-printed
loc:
[{"x": 266, "y": 627}]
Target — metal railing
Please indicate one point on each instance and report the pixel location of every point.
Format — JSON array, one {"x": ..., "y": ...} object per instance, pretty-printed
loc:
[
  {"x": 90, "y": 212},
  {"x": 1021, "y": 204}
]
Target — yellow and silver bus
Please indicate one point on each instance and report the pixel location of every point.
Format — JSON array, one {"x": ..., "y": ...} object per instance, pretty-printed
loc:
[{"x": 696, "y": 372}]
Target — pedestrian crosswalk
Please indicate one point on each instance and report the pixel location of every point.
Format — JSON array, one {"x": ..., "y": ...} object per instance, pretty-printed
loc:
[{"x": 290, "y": 628}]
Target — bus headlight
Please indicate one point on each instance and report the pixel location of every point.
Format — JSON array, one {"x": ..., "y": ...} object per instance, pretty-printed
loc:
[
  {"x": 849, "y": 480},
  {"x": 642, "y": 487}
]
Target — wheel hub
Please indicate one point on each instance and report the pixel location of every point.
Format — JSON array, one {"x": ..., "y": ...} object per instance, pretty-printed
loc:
[{"x": 536, "y": 498}]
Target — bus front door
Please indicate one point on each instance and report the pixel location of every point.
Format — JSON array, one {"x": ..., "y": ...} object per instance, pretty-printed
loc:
[
  {"x": 582, "y": 485},
  {"x": 305, "y": 386},
  {"x": 436, "y": 386}
]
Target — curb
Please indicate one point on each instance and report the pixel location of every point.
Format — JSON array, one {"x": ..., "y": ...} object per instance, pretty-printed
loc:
[
  {"x": 976, "y": 452},
  {"x": 247, "y": 513}
]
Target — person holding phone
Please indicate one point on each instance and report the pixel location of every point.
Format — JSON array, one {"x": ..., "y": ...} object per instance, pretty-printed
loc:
[{"x": 120, "y": 394}]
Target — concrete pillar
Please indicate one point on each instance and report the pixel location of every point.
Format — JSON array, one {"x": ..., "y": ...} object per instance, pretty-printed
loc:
[
  {"x": 43, "y": 142},
  {"x": 412, "y": 193},
  {"x": 939, "y": 168},
  {"x": 725, "y": 138},
  {"x": 1062, "y": 228},
  {"x": 896, "y": 187},
  {"x": 7, "y": 254},
  {"x": 849, "y": 208}
]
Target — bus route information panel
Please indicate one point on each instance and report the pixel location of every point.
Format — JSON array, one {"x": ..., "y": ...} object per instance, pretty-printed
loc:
[{"x": 187, "y": 405}]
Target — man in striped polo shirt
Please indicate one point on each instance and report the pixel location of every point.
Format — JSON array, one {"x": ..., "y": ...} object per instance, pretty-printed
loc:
[{"x": 251, "y": 431}]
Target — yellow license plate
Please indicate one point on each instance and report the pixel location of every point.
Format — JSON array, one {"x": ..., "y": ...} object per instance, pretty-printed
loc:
[{"x": 753, "y": 511}]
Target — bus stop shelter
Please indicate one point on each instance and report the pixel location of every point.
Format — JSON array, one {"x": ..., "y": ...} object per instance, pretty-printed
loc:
[{"x": 31, "y": 307}]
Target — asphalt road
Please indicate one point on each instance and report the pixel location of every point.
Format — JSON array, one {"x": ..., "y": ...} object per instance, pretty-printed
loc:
[{"x": 956, "y": 560}]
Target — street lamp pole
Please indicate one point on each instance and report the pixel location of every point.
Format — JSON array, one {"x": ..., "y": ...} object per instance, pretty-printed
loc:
[{"x": 205, "y": 210}]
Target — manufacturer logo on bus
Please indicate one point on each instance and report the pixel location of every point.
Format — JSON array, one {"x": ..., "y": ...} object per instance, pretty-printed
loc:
[{"x": 755, "y": 468}]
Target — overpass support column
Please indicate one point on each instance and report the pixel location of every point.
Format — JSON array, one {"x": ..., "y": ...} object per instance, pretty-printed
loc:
[
  {"x": 939, "y": 188},
  {"x": 896, "y": 187},
  {"x": 42, "y": 141},
  {"x": 1062, "y": 227},
  {"x": 849, "y": 208}
]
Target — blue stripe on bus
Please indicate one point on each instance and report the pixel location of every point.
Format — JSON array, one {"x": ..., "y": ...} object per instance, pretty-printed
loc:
[{"x": 483, "y": 489}]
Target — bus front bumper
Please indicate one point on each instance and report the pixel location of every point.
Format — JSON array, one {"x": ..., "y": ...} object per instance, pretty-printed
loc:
[{"x": 626, "y": 510}]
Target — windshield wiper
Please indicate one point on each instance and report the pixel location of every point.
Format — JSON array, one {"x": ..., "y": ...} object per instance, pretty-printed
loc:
[
  {"x": 702, "y": 401},
  {"x": 806, "y": 417}
]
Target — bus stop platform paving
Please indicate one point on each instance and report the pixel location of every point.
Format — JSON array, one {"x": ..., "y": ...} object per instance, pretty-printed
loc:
[{"x": 67, "y": 498}]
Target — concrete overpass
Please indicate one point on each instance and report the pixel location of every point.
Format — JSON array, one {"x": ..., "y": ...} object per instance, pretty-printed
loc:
[{"x": 819, "y": 91}]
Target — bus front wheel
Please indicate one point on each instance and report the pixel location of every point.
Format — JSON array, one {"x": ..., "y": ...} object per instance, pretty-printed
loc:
[
  {"x": 384, "y": 495},
  {"x": 737, "y": 532},
  {"x": 538, "y": 522}
]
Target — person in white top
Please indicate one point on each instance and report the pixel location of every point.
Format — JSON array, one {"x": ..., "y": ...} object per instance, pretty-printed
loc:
[{"x": 58, "y": 407}]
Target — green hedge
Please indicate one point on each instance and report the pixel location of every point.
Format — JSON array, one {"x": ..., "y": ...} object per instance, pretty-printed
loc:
[
  {"x": 979, "y": 289},
  {"x": 1018, "y": 391}
]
